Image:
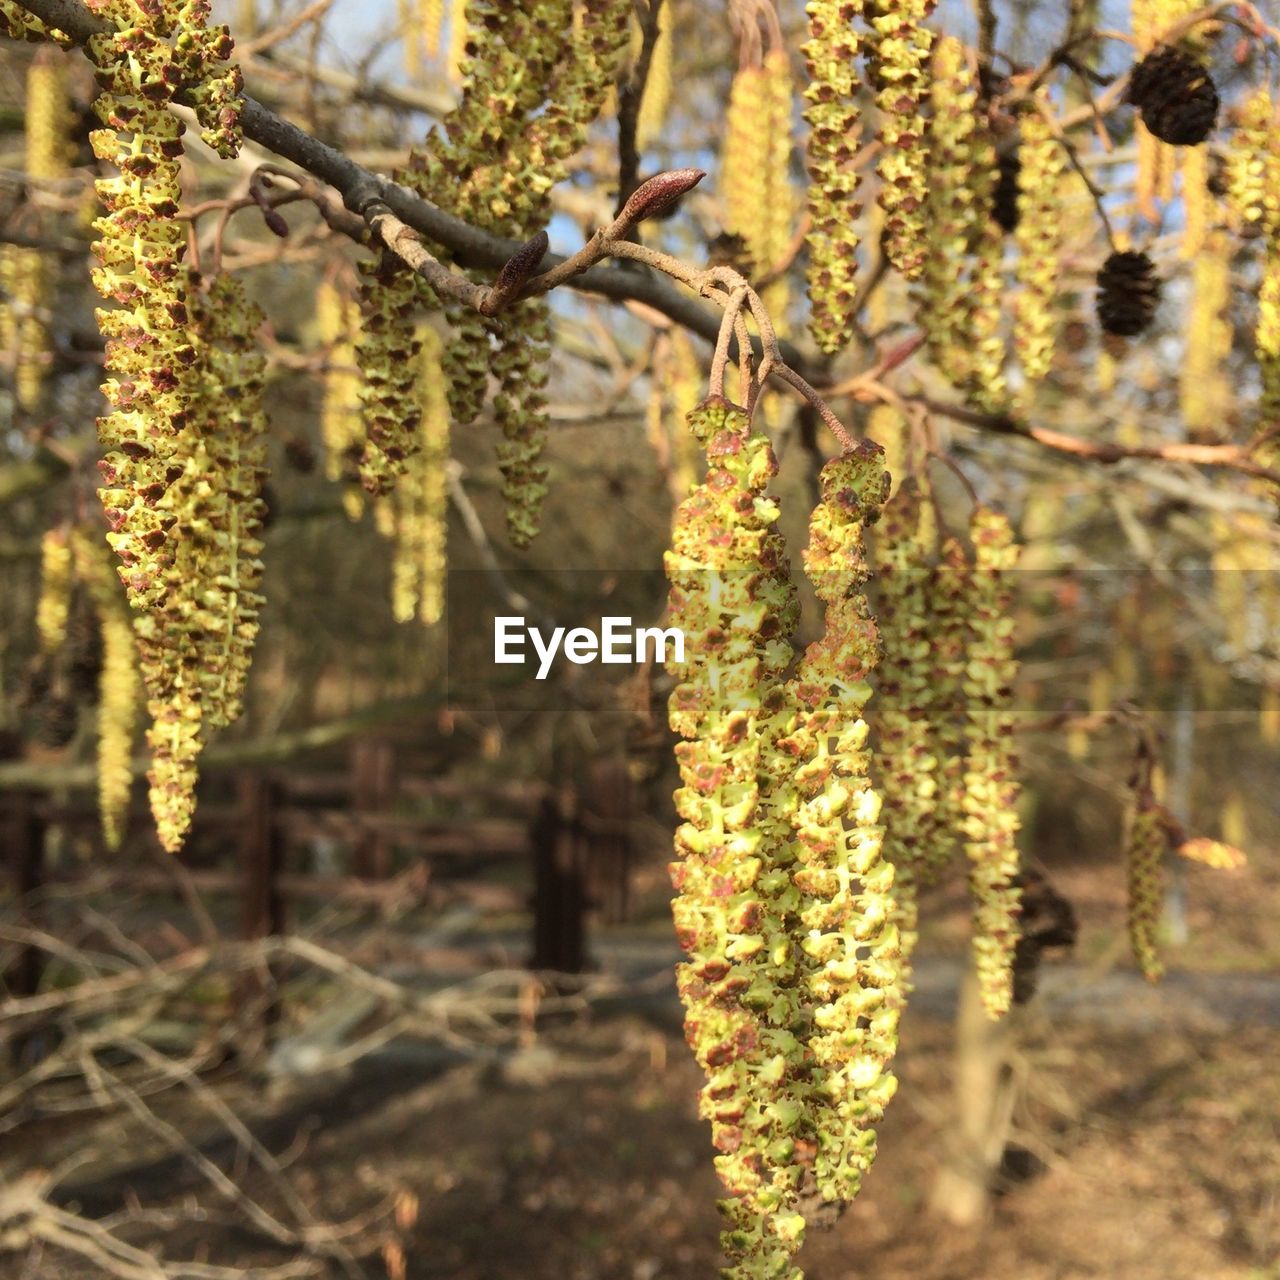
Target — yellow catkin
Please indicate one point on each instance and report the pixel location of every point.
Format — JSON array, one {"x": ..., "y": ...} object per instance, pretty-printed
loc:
[
  {"x": 1147, "y": 843},
  {"x": 987, "y": 389},
  {"x": 1105, "y": 371},
  {"x": 386, "y": 355},
  {"x": 535, "y": 77},
  {"x": 48, "y": 119},
  {"x": 831, "y": 110},
  {"x": 119, "y": 685},
  {"x": 898, "y": 47},
  {"x": 431, "y": 24},
  {"x": 962, "y": 286},
  {"x": 154, "y": 385},
  {"x": 409, "y": 21},
  {"x": 31, "y": 278},
  {"x": 1205, "y": 391},
  {"x": 56, "y": 582},
  {"x": 847, "y": 911},
  {"x": 8, "y": 309},
  {"x": 1267, "y": 337},
  {"x": 418, "y": 508},
  {"x": 990, "y": 784},
  {"x": 1149, "y": 176},
  {"x": 1247, "y": 161},
  {"x": 889, "y": 429},
  {"x": 1198, "y": 204},
  {"x": 337, "y": 316},
  {"x": 742, "y": 154},
  {"x": 685, "y": 393},
  {"x": 903, "y": 705},
  {"x": 1038, "y": 237},
  {"x": 675, "y": 388},
  {"x": 1253, "y": 198},
  {"x": 655, "y": 406},
  {"x": 780, "y": 211},
  {"x": 457, "y": 48},
  {"x": 657, "y": 88},
  {"x": 736, "y": 905},
  {"x": 760, "y": 204}
]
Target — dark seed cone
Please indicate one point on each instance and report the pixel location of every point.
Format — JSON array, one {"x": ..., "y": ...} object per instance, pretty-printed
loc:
[
  {"x": 1004, "y": 204},
  {"x": 1176, "y": 96},
  {"x": 1128, "y": 293}
]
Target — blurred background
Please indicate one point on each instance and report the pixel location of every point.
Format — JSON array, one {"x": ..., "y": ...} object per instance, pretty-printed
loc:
[{"x": 404, "y": 1004}]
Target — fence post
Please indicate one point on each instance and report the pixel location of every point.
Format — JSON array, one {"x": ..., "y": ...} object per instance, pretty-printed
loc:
[
  {"x": 606, "y": 819},
  {"x": 24, "y": 843},
  {"x": 373, "y": 767},
  {"x": 262, "y": 907},
  {"x": 559, "y": 894}
]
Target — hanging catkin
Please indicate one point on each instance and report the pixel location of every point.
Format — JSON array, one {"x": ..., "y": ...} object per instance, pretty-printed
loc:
[
  {"x": 195, "y": 649},
  {"x": 1038, "y": 238},
  {"x": 756, "y": 159},
  {"x": 1205, "y": 390},
  {"x": 950, "y": 593},
  {"x": 961, "y": 305},
  {"x": 846, "y": 915},
  {"x": 657, "y": 87},
  {"x": 735, "y": 906},
  {"x": 674, "y": 392},
  {"x": 990, "y": 780},
  {"x": 29, "y": 273},
  {"x": 1199, "y": 205},
  {"x": 386, "y": 354},
  {"x": 832, "y": 114},
  {"x": 985, "y": 384},
  {"x": 56, "y": 581},
  {"x": 419, "y": 507},
  {"x": 906, "y": 769},
  {"x": 119, "y": 684},
  {"x": 954, "y": 215},
  {"x": 431, "y": 24},
  {"x": 534, "y": 79},
  {"x": 1148, "y": 841},
  {"x": 1247, "y": 162},
  {"x": 898, "y": 61},
  {"x": 153, "y": 379},
  {"x": 338, "y": 318}
]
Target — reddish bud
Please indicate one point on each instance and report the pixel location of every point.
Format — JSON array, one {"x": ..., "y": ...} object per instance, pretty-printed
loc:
[{"x": 660, "y": 192}]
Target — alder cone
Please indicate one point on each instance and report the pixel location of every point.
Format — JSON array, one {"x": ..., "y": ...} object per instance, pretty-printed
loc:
[
  {"x": 1176, "y": 96},
  {"x": 1128, "y": 293}
]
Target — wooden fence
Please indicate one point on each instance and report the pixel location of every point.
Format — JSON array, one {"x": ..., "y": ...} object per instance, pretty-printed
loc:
[{"x": 410, "y": 840}]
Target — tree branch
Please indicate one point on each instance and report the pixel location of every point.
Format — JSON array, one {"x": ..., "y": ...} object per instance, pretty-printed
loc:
[
  {"x": 360, "y": 188},
  {"x": 1227, "y": 457}
]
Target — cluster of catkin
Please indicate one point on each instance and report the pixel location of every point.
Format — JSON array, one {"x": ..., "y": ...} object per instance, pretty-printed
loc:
[
  {"x": 944, "y": 722},
  {"x": 195, "y": 645},
  {"x": 783, "y": 902},
  {"x": 76, "y": 559},
  {"x": 535, "y": 76},
  {"x": 1253, "y": 198},
  {"x": 27, "y": 276},
  {"x": 414, "y": 516},
  {"x": 183, "y": 478}
]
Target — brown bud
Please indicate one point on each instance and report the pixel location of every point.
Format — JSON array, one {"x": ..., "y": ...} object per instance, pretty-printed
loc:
[
  {"x": 521, "y": 265},
  {"x": 659, "y": 193}
]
